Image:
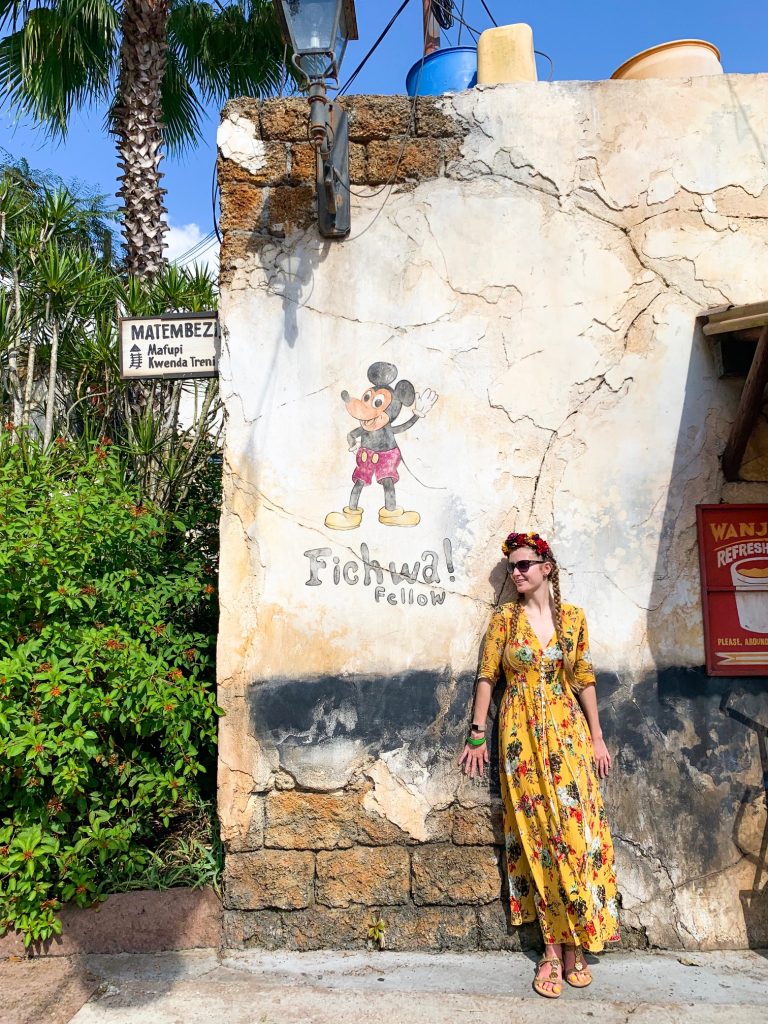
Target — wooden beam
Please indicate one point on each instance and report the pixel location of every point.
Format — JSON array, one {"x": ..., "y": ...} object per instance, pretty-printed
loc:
[
  {"x": 740, "y": 323},
  {"x": 749, "y": 409},
  {"x": 730, "y": 312}
]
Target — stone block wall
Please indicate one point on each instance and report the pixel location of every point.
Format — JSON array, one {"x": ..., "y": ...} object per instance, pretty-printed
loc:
[
  {"x": 540, "y": 261},
  {"x": 267, "y": 165},
  {"x": 321, "y": 868}
]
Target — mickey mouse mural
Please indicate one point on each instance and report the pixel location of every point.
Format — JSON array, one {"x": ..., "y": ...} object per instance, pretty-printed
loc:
[{"x": 378, "y": 454}]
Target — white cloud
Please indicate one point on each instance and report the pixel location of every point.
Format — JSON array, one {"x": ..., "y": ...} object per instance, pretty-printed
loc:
[{"x": 179, "y": 241}]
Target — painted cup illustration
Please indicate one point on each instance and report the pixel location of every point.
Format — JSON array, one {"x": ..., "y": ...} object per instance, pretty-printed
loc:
[{"x": 750, "y": 577}]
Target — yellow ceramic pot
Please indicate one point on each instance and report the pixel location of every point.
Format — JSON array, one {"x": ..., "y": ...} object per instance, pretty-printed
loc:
[{"x": 681, "y": 58}]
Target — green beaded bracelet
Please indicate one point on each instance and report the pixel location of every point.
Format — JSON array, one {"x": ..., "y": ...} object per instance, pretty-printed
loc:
[{"x": 475, "y": 743}]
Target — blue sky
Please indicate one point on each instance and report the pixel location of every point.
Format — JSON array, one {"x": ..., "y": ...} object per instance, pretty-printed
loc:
[{"x": 586, "y": 40}]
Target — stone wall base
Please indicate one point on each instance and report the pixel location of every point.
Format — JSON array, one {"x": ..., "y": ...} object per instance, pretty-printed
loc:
[{"x": 406, "y": 928}]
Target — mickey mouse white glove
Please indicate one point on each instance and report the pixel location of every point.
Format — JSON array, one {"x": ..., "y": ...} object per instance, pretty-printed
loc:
[{"x": 424, "y": 402}]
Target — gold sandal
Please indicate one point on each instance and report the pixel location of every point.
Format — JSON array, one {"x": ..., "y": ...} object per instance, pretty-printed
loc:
[
  {"x": 580, "y": 966},
  {"x": 551, "y": 980}
]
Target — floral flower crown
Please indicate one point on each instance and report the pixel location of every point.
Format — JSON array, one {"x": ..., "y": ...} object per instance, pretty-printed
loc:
[{"x": 528, "y": 540}]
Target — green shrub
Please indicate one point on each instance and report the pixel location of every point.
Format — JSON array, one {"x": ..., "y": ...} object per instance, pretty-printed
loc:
[{"x": 107, "y": 708}]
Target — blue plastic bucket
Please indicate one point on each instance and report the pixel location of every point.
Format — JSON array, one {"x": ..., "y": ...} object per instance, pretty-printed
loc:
[{"x": 448, "y": 70}]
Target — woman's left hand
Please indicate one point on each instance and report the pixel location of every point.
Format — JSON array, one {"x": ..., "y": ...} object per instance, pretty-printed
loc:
[{"x": 602, "y": 757}]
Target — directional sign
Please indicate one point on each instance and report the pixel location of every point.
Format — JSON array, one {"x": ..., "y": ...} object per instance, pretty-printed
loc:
[{"x": 172, "y": 346}]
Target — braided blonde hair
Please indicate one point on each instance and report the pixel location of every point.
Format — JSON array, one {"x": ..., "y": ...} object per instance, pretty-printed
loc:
[
  {"x": 554, "y": 578},
  {"x": 540, "y": 547}
]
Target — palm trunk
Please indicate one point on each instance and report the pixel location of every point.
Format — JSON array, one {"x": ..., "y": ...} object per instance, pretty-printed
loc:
[
  {"x": 13, "y": 352},
  {"x": 29, "y": 383},
  {"x": 51, "y": 398},
  {"x": 137, "y": 120}
]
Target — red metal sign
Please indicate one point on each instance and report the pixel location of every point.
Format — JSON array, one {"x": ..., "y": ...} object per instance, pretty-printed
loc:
[{"x": 733, "y": 551}]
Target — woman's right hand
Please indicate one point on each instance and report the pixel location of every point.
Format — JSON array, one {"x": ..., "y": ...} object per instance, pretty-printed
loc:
[{"x": 474, "y": 760}]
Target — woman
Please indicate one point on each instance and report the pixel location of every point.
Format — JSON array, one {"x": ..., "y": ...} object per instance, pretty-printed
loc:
[{"x": 551, "y": 752}]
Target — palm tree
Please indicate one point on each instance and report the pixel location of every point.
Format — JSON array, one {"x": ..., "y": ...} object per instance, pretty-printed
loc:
[{"x": 156, "y": 63}]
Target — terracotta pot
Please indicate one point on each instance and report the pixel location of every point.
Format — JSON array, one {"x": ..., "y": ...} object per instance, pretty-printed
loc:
[{"x": 681, "y": 58}]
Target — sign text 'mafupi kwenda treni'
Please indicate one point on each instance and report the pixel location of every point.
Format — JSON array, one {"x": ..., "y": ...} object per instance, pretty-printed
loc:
[{"x": 174, "y": 345}]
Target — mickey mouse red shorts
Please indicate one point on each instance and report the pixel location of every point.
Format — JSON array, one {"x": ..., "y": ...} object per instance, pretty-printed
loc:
[{"x": 383, "y": 464}]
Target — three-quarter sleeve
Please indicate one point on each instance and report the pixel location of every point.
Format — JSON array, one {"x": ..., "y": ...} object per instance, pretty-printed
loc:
[
  {"x": 584, "y": 674},
  {"x": 493, "y": 648}
]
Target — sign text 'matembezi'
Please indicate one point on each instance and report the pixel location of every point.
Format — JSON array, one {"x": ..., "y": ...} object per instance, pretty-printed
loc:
[{"x": 173, "y": 346}]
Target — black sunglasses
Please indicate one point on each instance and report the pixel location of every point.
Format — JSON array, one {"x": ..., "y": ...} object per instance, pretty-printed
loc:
[{"x": 523, "y": 565}]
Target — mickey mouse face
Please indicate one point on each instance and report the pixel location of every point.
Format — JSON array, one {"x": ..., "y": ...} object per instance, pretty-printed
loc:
[
  {"x": 372, "y": 409},
  {"x": 379, "y": 400},
  {"x": 382, "y": 403}
]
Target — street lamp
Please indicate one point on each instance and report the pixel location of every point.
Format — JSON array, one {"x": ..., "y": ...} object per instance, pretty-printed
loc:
[{"x": 317, "y": 31}]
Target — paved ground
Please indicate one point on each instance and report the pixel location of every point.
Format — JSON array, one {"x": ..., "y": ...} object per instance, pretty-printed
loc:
[{"x": 206, "y": 987}]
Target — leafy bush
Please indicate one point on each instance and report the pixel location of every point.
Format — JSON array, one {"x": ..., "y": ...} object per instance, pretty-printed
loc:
[{"x": 107, "y": 709}]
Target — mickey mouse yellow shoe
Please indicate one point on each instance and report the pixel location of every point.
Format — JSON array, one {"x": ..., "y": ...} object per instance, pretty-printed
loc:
[
  {"x": 398, "y": 517},
  {"x": 349, "y": 519}
]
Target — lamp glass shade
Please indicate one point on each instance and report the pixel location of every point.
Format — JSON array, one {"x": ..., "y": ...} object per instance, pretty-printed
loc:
[{"x": 313, "y": 24}]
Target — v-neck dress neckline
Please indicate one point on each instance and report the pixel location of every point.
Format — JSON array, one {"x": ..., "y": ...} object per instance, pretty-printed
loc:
[{"x": 529, "y": 627}]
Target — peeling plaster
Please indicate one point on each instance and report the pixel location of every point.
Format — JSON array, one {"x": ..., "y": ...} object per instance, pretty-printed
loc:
[{"x": 237, "y": 139}]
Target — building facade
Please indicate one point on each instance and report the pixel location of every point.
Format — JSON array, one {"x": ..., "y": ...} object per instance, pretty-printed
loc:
[{"x": 522, "y": 284}]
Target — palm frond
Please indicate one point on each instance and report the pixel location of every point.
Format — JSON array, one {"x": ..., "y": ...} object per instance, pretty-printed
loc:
[
  {"x": 227, "y": 51},
  {"x": 183, "y": 112},
  {"x": 61, "y": 58}
]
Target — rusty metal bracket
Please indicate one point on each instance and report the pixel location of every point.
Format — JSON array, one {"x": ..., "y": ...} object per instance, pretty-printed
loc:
[{"x": 329, "y": 133}]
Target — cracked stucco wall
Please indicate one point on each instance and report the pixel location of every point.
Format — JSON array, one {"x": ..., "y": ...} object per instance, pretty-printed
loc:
[{"x": 539, "y": 262}]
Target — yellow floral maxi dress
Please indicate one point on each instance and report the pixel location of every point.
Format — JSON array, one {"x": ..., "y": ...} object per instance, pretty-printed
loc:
[{"x": 558, "y": 848}]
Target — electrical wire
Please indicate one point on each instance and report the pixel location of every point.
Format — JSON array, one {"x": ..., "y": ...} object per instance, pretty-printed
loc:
[
  {"x": 214, "y": 197},
  {"x": 391, "y": 181},
  {"x": 200, "y": 245},
  {"x": 546, "y": 56},
  {"x": 488, "y": 12},
  {"x": 197, "y": 250},
  {"x": 442, "y": 12},
  {"x": 474, "y": 32},
  {"x": 373, "y": 49}
]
